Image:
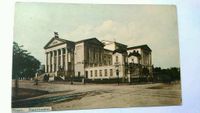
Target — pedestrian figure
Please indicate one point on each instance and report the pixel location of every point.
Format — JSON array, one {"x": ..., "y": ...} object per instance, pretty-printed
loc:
[
  {"x": 46, "y": 78},
  {"x": 36, "y": 81}
]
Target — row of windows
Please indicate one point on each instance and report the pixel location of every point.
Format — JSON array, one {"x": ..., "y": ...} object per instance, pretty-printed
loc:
[{"x": 100, "y": 73}]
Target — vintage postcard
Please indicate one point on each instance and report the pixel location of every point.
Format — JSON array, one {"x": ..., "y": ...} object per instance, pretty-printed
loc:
[{"x": 86, "y": 56}]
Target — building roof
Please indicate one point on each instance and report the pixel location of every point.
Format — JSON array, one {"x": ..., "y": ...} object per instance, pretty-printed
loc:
[
  {"x": 108, "y": 50},
  {"x": 120, "y": 44},
  {"x": 134, "y": 54},
  {"x": 122, "y": 51},
  {"x": 60, "y": 39},
  {"x": 90, "y": 39},
  {"x": 145, "y": 46},
  {"x": 107, "y": 42}
]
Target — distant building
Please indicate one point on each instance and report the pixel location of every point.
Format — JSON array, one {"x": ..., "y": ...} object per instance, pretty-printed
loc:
[{"x": 94, "y": 59}]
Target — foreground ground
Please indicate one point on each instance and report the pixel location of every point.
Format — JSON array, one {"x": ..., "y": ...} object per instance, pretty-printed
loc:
[{"x": 62, "y": 96}]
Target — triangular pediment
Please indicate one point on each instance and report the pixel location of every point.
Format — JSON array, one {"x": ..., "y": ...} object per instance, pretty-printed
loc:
[{"x": 54, "y": 42}]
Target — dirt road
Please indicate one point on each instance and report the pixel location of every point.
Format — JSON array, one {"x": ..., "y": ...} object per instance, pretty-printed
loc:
[{"x": 64, "y": 96}]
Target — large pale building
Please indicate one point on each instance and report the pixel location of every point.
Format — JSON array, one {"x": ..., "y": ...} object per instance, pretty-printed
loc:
[{"x": 94, "y": 59}]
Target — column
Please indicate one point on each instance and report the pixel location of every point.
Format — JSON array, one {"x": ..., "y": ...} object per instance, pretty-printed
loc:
[
  {"x": 72, "y": 59},
  {"x": 150, "y": 59},
  {"x": 61, "y": 58},
  {"x": 57, "y": 55},
  {"x": 69, "y": 57},
  {"x": 52, "y": 60},
  {"x": 142, "y": 58},
  {"x": 46, "y": 60},
  {"x": 102, "y": 57},
  {"x": 48, "y": 57},
  {"x": 66, "y": 59},
  {"x": 89, "y": 57}
]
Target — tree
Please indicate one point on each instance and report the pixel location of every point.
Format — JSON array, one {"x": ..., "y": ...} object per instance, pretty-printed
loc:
[
  {"x": 167, "y": 75},
  {"x": 24, "y": 65},
  {"x": 175, "y": 73}
]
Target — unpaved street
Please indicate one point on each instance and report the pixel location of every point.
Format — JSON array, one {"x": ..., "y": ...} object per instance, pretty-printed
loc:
[{"x": 65, "y": 96}]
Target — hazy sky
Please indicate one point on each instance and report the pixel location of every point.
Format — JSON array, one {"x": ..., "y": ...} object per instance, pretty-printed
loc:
[{"x": 155, "y": 25}]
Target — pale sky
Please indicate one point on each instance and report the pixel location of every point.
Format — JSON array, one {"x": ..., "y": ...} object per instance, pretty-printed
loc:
[{"x": 154, "y": 25}]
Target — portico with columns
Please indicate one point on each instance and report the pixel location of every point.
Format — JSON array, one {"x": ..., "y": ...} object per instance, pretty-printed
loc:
[{"x": 59, "y": 54}]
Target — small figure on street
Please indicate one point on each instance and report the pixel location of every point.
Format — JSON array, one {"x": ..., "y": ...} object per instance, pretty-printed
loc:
[
  {"x": 36, "y": 81},
  {"x": 46, "y": 78}
]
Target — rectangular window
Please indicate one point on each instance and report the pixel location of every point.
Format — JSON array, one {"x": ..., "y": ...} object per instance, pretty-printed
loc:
[
  {"x": 117, "y": 59},
  {"x": 110, "y": 60},
  {"x": 105, "y": 72},
  {"x": 79, "y": 74},
  {"x": 111, "y": 72},
  {"x": 63, "y": 50},
  {"x": 100, "y": 73},
  {"x": 93, "y": 54},
  {"x": 91, "y": 73},
  {"x": 95, "y": 73},
  {"x": 104, "y": 60},
  {"x": 86, "y": 74}
]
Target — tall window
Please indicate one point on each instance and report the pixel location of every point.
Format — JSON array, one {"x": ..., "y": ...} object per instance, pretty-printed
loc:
[
  {"x": 105, "y": 72},
  {"x": 117, "y": 59},
  {"x": 109, "y": 60},
  {"x": 86, "y": 74},
  {"x": 93, "y": 54},
  {"x": 111, "y": 72},
  {"x": 95, "y": 73},
  {"x": 79, "y": 74},
  {"x": 91, "y": 73},
  {"x": 104, "y": 60},
  {"x": 100, "y": 73}
]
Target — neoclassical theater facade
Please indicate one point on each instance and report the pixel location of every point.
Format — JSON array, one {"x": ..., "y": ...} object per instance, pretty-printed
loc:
[{"x": 94, "y": 59}]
